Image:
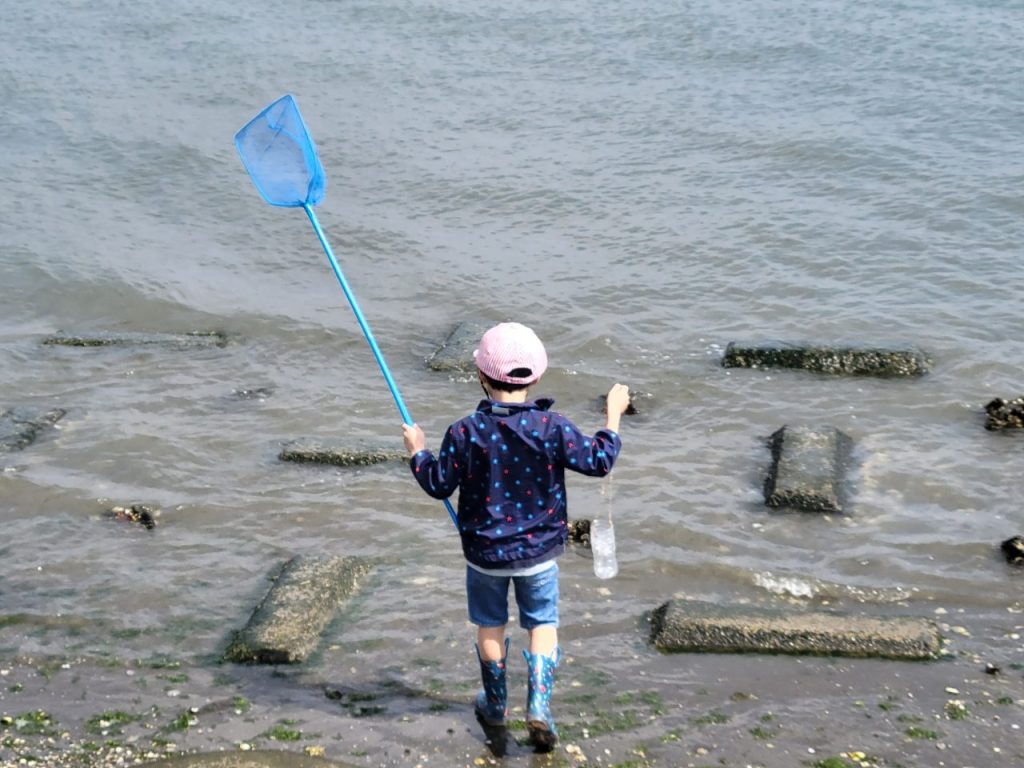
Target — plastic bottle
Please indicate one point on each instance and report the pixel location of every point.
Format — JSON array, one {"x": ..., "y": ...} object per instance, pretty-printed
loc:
[{"x": 602, "y": 545}]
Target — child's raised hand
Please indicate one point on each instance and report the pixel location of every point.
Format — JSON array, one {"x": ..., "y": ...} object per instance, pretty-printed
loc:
[
  {"x": 618, "y": 399},
  {"x": 415, "y": 440}
]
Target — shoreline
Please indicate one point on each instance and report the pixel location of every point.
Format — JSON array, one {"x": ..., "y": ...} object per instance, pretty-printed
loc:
[{"x": 679, "y": 710}]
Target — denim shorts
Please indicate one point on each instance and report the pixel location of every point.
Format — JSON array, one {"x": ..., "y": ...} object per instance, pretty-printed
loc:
[{"x": 536, "y": 597}]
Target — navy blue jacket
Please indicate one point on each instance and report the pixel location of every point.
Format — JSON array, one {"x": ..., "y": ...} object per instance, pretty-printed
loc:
[{"x": 508, "y": 461}]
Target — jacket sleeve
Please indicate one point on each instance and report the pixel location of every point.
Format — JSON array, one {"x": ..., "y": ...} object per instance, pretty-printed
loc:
[
  {"x": 438, "y": 476},
  {"x": 594, "y": 456}
]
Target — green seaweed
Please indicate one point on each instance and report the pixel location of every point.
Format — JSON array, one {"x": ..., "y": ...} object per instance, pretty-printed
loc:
[
  {"x": 714, "y": 717},
  {"x": 37, "y": 722},
  {"x": 283, "y": 732},
  {"x": 110, "y": 723}
]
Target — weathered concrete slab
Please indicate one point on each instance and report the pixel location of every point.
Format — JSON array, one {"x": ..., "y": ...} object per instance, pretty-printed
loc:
[
  {"x": 807, "y": 469},
  {"x": 315, "y": 452},
  {"x": 1005, "y": 414},
  {"x": 456, "y": 353},
  {"x": 253, "y": 759},
  {"x": 19, "y": 427},
  {"x": 285, "y": 627},
  {"x": 851, "y": 361},
  {"x": 188, "y": 340},
  {"x": 693, "y": 626}
]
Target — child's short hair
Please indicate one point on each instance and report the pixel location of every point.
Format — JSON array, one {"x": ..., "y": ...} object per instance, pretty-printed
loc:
[
  {"x": 511, "y": 353},
  {"x": 505, "y": 386}
]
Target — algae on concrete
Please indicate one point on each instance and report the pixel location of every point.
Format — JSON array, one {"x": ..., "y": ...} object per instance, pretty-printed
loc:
[
  {"x": 252, "y": 759},
  {"x": 187, "y": 340},
  {"x": 314, "y": 452},
  {"x": 285, "y": 627},
  {"x": 694, "y": 626},
  {"x": 851, "y": 361},
  {"x": 807, "y": 469}
]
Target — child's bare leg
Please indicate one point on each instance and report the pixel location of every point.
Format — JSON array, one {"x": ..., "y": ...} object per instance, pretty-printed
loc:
[
  {"x": 543, "y": 639},
  {"x": 491, "y": 642}
]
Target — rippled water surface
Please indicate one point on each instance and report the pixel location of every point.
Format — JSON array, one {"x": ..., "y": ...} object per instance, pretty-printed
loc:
[{"x": 641, "y": 182}]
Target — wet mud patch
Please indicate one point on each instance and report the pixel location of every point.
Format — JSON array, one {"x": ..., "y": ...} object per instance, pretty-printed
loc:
[{"x": 617, "y": 703}]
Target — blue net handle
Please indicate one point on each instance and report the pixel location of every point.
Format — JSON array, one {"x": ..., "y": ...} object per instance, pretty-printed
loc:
[{"x": 278, "y": 152}]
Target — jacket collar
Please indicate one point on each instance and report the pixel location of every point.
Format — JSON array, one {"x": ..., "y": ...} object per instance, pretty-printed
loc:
[{"x": 507, "y": 409}]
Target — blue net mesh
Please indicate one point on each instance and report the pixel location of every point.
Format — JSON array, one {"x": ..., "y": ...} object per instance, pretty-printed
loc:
[{"x": 280, "y": 157}]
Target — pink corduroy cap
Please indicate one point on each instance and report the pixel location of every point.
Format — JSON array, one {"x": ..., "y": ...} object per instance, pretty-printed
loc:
[{"x": 509, "y": 348}]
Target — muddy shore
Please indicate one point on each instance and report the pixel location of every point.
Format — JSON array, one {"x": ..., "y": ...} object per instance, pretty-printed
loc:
[{"x": 675, "y": 710}]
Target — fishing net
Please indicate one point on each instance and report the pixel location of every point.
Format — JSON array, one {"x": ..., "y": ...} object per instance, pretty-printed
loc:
[{"x": 280, "y": 157}]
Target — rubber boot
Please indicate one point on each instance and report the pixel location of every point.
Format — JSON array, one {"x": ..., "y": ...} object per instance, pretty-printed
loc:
[
  {"x": 539, "y": 723},
  {"x": 492, "y": 702}
]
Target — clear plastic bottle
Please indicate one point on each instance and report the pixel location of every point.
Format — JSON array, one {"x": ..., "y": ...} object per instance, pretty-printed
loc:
[{"x": 602, "y": 545}]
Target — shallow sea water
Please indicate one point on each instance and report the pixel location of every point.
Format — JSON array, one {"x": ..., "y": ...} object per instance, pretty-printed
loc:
[{"x": 641, "y": 183}]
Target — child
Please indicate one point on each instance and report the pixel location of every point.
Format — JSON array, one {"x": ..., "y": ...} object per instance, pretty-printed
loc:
[{"x": 508, "y": 460}]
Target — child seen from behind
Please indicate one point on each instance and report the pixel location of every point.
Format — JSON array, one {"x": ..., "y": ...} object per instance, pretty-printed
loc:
[{"x": 508, "y": 460}]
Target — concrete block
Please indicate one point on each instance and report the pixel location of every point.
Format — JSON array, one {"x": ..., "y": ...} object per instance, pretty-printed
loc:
[
  {"x": 694, "y": 626},
  {"x": 456, "y": 353},
  {"x": 314, "y": 452},
  {"x": 807, "y": 469},
  {"x": 188, "y": 340},
  {"x": 285, "y": 627},
  {"x": 851, "y": 361},
  {"x": 1004, "y": 414}
]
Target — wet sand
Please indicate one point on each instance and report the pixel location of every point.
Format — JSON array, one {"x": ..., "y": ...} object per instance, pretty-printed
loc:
[{"x": 672, "y": 710}]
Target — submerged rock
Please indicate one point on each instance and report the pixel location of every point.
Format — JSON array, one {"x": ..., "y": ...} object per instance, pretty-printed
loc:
[
  {"x": 1013, "y": 549},
  {"x": 456, "y": 353},
  {"x": 136, "y": 513},
  {"x": 643, "y": 398},
  {"x": 579, "y": 532},
  {"x": 188, "y": 340},
  {"x": 253, "y": 393},
  {"x": 19, "y": 427},
  {"x": 807, "y": 468},
  {"x": 285, "y": 627},
  {"x": 693, "y": 626},
  {"x": 1005, "y": 414},
  {"x": 314, "y": 452},
  {"x": 852, "y": 361}
]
